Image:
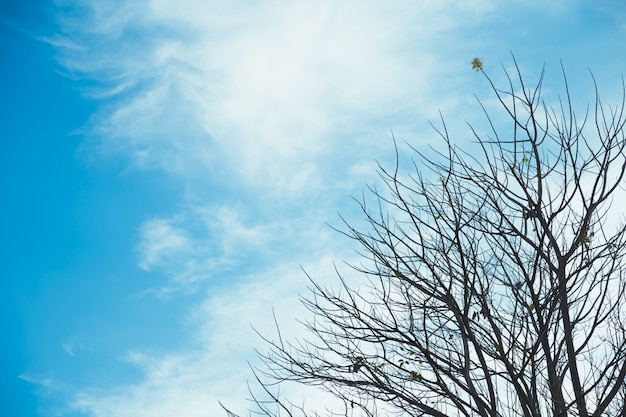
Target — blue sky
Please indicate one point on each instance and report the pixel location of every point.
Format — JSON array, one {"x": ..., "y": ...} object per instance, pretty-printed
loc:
[{"x": 168, "y": 166}]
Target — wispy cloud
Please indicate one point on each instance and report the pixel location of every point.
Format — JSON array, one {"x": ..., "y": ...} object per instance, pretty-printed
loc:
[
  {"x": 205, "y": 244},
  {"x": 268, "y": 94},
  {"x": 190, "y": 381},
  {"x": 201, "y": 242},
  {"x": 71, "y": 348}
]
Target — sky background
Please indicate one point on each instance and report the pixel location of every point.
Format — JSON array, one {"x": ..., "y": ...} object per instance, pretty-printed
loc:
[{"x": 167, "y": 168}]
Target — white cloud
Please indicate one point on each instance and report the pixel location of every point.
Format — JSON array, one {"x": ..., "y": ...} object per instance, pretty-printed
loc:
[
  {"x": 204, "y": 244},
  {"x": 200, "y": 242},
  {"x": 160, "y": 239},
  {"x": 191, "y": 381},
  {"x": 71, "y": 348},
  {"x": 264, "y": 93},
  {"x": 43, "y": 382}
]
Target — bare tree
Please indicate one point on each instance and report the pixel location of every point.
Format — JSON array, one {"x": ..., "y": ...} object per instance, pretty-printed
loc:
[{"x": 496, "y": 279}]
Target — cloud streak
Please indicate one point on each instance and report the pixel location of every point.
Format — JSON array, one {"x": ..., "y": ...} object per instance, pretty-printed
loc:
[
  {"x": 202, "y": 242},
  {"x": 263, "y": 93}
]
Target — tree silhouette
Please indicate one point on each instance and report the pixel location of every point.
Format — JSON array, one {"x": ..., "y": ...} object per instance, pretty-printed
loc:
[{"x": 495, "y": 278}]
